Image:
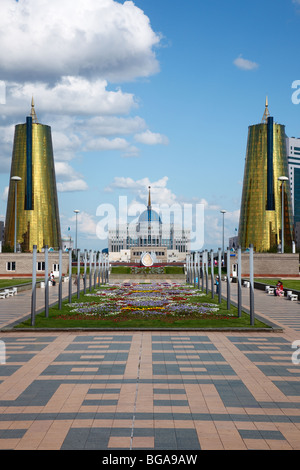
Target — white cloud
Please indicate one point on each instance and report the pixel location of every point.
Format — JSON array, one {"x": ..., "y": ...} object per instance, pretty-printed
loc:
[
  {"x": 160, "y": 194},
  {"x": 112, "y": 125},
  {"x": 67, "y": 179},
  {"x": 5, "y": 194},
  {"x": 6, "y": 141},
  {"x": 130, "y": 152},
  {"x": 151, "y": 138},
  {"x": 102, "y": 143},
  {"x": 71, "y": 186},
  {"x": 86, "y": 224},
  {"x": 245, "y": 64},
  {"x": 65, "y": 145},
  {"x": 66, "y": 54},
  {"x": 70, "y": 95},
  {"x": 75, "y": 37}
]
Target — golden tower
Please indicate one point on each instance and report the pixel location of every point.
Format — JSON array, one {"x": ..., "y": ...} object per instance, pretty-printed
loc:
[
  {"x": 37, "y": 204},
  {"x": 266, "y": 160}
]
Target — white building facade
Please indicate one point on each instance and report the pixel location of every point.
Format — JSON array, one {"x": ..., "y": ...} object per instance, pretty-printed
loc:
[
  {"x": 166, "y": 242},
  {"x": 293, "y": 156}
]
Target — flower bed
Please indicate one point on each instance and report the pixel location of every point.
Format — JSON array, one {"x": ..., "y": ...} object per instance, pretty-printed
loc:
[
  {"x": 143, "y": 301},
  {"x": 147, "y": 270},
  {"x": 142, "y": 306}
]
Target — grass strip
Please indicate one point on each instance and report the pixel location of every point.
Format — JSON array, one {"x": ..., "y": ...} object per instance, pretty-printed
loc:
[{"x": 149, "y": 316}]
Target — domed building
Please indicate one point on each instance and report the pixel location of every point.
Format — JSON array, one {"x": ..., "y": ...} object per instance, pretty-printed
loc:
[{"x": 165, "y": 242}]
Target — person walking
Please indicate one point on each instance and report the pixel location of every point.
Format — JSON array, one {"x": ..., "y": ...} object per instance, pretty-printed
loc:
[{"x": 217, "y": 284}]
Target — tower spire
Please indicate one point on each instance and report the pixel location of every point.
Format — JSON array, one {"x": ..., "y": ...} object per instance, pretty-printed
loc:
[
  {"x": 149, "y": 198},
  {"x": 33, "y": 113},
  {"x": 266, "y": 112}
]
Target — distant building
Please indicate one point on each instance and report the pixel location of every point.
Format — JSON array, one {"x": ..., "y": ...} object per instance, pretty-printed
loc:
[
  {"x": 260, "y": 215},
  {"x": 1, "y": 235},
  {"x": 2, "y": 231},
  {"x": 233, "y": 242},
  {"x": 297, "y": 234},
  {"x": 37, "y": 204},
  {"x": 293, "y": 156},
  {"x": 18, "y": 265},
  {"x": 166, "y": 242},
  {"x": 67, "y": 243}
]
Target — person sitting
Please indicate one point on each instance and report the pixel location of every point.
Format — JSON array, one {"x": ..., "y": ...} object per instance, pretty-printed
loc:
[{"x": 279, "y": 289}]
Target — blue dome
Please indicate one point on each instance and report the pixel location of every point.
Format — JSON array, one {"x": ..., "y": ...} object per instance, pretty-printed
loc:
[{"x": 149, "y": 216}]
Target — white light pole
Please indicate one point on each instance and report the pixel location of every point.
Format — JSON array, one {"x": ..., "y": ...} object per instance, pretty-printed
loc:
[
  {"x": 16, "y": 179},
  {"x": 76, "y": 212},
  {"x": 223, "y": 212},
  {"x": 282, "y": 179}
]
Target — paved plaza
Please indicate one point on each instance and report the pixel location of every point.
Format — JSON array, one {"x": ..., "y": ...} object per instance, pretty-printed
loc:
[{"x": 151, "y": 390}]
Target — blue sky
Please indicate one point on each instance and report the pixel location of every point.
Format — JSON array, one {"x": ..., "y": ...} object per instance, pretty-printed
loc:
[{"x": 147, "y": 92}]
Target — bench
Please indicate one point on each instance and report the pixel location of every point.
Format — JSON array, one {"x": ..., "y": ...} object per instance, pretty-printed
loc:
[
  {"x": 9, "y": 292},
  {"x": 291, "y": 296},
  {"x": 269, "y": 290}
]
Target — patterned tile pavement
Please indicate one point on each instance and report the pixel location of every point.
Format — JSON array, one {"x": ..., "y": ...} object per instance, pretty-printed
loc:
[{"x": 131, "y": 390}]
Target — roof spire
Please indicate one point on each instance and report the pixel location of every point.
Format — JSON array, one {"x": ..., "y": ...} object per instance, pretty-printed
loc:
[
  {"x": 149, "y": 199},
  {"x": 266, "y": 113},
  {"x": 33, "y": 113}
]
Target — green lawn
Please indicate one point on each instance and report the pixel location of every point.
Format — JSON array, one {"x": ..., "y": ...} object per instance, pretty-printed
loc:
[
  {"x": 174, "y": 270},
  {"x": 65, "y": 319},
  {"x": 13, "y": 282},
  {"x": 287, "y": 283},
  {"x": 74, "y": 270},
  {"x": 120, "y": 270}
]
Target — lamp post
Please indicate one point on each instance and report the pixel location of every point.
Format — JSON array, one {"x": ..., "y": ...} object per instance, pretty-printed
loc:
[
  {"x": 223, "y": 212},
  {"x": 282, "y": 179},
  {"x": 76, "y": 212},
  {"x": 16, "y": 179}
]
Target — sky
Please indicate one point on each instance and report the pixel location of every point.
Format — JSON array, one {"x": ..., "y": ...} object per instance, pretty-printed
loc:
[{"x": 147, "y": 93}]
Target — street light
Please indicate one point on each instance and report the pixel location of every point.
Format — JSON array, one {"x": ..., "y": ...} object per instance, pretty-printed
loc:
[
  {"x": 16, "y": 179},
  {"x": 282, "y": 179},
  {"x": 76, "y": 212},
  {"x": 223, "y": 212}
]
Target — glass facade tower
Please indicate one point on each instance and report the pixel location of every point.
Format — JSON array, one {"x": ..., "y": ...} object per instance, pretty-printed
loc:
[
  {"x": 260, "y": 215},
  {"x": 37, "y": 204}
]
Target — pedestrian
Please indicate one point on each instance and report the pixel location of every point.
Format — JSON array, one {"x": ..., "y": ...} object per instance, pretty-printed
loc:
[
  {"x": 279, "y": 289},
  {"x": 52, "y": 278},
  {"x": 217, "y": 284}
]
